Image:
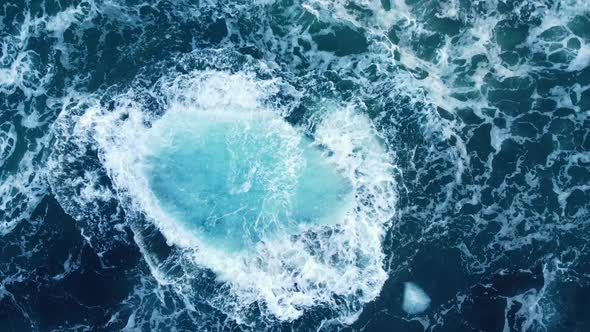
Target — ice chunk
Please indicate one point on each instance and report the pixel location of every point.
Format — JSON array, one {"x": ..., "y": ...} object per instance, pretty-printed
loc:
[{"x": 415, "y": 299}]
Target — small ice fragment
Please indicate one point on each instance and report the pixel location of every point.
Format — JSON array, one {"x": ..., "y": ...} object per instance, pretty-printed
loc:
[{"x": 415, "y": 299}]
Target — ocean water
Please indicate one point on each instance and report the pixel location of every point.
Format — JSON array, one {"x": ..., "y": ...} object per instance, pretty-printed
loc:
[{"x": 313, "y": 165}]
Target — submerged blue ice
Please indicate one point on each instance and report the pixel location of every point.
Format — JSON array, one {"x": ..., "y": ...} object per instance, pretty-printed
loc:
[
  {"x": 235, "y": 178},
  {"x": 415, "y": 299}
]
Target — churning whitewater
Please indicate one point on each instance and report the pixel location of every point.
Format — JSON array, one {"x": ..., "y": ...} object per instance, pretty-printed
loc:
[{"x": 294, "y": 165}]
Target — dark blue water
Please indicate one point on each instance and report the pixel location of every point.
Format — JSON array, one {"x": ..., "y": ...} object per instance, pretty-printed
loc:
[{"x": 330, "y": 165}]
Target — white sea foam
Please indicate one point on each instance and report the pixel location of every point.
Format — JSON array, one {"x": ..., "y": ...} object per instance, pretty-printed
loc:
[
  {"x": 60, "y": 22},
  {"x": 8, "y": 139},
  {"x": 582, "y": 59},
  {"x": 21, "y": 191}
]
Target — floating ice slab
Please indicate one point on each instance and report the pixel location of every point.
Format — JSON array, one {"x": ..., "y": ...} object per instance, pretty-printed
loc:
[{"x": 415, "y": 299}]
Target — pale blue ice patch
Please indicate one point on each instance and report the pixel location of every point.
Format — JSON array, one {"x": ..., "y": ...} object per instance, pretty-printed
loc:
[
  {"x": 415, "y": 299},
  {"x": 235, "y": 178}
]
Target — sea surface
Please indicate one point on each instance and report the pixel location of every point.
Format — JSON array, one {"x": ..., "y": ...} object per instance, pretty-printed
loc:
[{"x": 295, "y": 165}]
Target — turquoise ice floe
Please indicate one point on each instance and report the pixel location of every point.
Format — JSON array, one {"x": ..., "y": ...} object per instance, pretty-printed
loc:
[{"x": 237, "y": 177}]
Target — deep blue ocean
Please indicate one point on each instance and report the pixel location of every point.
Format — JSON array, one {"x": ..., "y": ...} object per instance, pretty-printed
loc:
[{"x": 295, "y": 165}]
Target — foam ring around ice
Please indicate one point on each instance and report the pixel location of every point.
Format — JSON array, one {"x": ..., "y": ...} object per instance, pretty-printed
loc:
[{"x": 309, "y": 221}]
